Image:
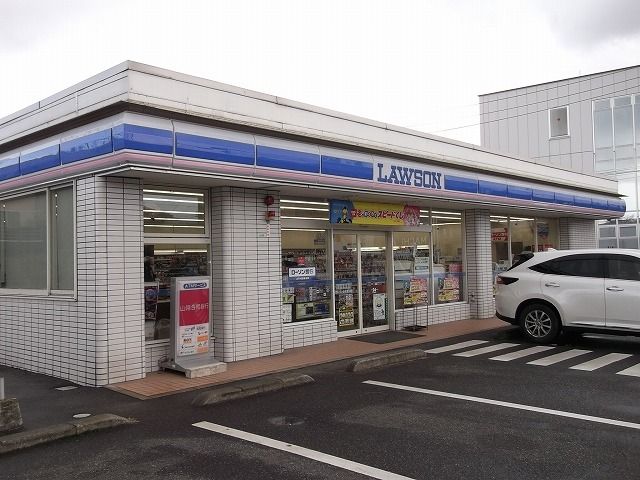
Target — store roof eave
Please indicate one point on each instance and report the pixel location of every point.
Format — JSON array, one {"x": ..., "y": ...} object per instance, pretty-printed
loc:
[{"x": 166, "y": 90}]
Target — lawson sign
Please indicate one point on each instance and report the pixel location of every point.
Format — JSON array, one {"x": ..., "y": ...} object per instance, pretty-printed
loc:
[{"x": 404, "y": 175}]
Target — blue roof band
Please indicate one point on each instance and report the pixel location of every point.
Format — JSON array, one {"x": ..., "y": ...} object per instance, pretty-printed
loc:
[
  {"x": 136, "y": 137},
  {"x": 542, "y": 196},
  {"x": 344, "y": 167},
  {"x": 287, "y": 159},
  {"x": 521, "y": 193},
  {"x": 9, "y": 168},
  {"x": 40, "y": 160},
  {"x": 564, "y": 199},
  {"x": 460, "y": 184},
  {"x": 208, "y": 148},
  {"x": 492, "y": 188},
  {"x": 92, "y": 145}
]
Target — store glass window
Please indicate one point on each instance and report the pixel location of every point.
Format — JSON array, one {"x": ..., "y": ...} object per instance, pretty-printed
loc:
[
  {"x": 499, "y": 244},
  {"x": 170, "y": 212},
  {"x": 523, "y": 235},
  {"x": 548, "y": 234},
  {"x": 162, "y": 262},
  {"x": 306, "y": 279},
  {"x": 62, "y": 238},
  {"x": 23, "y": 242},
  {"x": 411, "y": 269},
  {"x": 448, "y": 272}
]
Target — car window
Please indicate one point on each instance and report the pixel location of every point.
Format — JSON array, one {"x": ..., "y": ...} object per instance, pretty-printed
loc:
[
  {"x": 520, "y": 259},
  {"x": 623, "y": 267},
  {"x": 573, "y": 265}
]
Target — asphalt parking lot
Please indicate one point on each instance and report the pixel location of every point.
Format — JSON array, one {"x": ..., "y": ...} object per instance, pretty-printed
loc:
[{"x": 456, "y": 414}]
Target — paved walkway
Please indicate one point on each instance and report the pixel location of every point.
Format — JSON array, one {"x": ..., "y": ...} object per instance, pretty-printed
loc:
[{"x": 159, "y": 384}]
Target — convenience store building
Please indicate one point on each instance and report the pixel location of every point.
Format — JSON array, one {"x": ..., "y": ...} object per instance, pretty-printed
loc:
[{"x": 311, "y": 224}]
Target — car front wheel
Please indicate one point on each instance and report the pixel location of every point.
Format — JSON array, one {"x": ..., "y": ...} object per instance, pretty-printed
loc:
[{"x": 540, "y": 323}]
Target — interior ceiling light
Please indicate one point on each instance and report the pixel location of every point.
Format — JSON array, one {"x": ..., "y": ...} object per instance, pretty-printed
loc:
[
  {"x": 449, "y": 213},
  {"x": 304, "y": 202},
  {"x": 282, "y": 207},
  {"x": 171, "y": 219},
  {"x": 173, "y": 211},
  {"x": 169, "y": 192},
  {"x": 305, "y": 218},
  {"x": 172, "y": 200},
  {"x": 175, "y": 226}
]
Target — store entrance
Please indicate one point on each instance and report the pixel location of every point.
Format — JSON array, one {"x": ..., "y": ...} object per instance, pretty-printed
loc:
[{"x": 360, "y": 272}]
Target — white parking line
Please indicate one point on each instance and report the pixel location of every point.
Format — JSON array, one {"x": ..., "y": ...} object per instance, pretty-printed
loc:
[
  {"x": 456, "y": 346},
  {"x": 483, "y": 350},
  {"x": 632, "y": 371},
  {"x": 530, "y": 408},
  {"x": 301, "y": 451},
  {"x": 507, "y": 357},
  {"x": 600, "y": 362},
  {"x": 558, "y": 357}
]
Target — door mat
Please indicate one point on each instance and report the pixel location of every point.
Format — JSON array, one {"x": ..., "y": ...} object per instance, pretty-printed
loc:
[{"x": 384, "y": 337}]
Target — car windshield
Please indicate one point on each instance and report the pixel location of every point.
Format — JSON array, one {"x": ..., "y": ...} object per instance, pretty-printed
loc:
[{"x": 520, "y": 259}]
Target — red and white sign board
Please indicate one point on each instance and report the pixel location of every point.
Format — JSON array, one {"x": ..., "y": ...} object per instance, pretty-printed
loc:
[{"x": 191, "y": 313}]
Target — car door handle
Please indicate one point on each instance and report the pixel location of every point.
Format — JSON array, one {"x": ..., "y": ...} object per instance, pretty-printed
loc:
[
  {"x": 615, "y": 289},
  {"x": 551, "y": 284}
]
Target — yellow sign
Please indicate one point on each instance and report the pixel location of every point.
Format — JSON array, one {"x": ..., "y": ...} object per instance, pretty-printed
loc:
[{"x": 369, "y": 213}]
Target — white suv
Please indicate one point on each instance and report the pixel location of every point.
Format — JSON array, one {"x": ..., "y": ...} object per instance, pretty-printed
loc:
[{"x": 594, "y": 290}]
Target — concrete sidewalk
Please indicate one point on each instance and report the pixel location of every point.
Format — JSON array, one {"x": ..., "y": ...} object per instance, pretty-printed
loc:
[{"x": 160, "y": 384}]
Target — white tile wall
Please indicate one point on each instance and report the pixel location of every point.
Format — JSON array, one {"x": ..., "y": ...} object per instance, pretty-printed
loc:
[
  {"x": 302, "y": 334},
  {"x": 479, "y": 266},
  {"x": 577, "y": 233},
  {"x": 247, "y": 276},
  {"x": 431, "y": 315},
  {"x": 98, "y": 338}
]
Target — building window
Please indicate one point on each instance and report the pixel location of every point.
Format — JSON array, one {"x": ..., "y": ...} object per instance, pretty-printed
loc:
[
  {"x": 616, "y": 124},
  {"x": 62, "y": 262},
  {"x": 27, "y": 253},
  {"x": 306, "y": 270},
  {"x": 558, "y": 122},
  {"x": 411, "y": 269},
  {"x": 448, "y": 272},
  {"x": 306, "y": 280},
  {"x": 162, "y": 262},
  {"x": 169, "y": 212}
]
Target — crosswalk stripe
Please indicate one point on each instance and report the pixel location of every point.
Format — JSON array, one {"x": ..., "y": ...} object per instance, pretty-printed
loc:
[
  {"x": 558, "y": 357},
  {"x": 521, "y": 353},
  {"x": 600, "y": 362},
  {"x": 631, "y": 371},
  {"x": 457, "y": 346},
  {"x": 489, "y": 349}
]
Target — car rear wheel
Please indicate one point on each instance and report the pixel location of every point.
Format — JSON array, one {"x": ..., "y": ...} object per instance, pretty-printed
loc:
[{"x": 540, "y": 323}]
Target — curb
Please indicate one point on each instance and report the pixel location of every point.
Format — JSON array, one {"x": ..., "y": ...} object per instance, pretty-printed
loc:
[
  {"x": 18, "y": 441},
  {"x": 385, "y": 359},
  {"x": 250, "y": 388}
]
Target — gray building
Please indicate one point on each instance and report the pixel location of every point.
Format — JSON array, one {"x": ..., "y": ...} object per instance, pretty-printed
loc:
[{"x": 588, "y": 124}]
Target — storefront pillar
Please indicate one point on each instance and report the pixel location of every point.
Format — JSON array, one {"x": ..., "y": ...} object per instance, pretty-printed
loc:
[
  {"x": 110, "y": 277},
  {"x": 577, "y": 233},
  {"x": 247, "y": 275},
  {"x": 479, "y": 271}
]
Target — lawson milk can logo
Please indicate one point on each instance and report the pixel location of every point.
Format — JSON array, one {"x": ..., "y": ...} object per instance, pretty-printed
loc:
[{"x": 401, "y": 175}]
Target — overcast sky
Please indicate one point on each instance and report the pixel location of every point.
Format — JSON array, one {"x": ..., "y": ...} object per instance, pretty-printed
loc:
[{"x": 418, "y": 64}]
